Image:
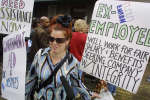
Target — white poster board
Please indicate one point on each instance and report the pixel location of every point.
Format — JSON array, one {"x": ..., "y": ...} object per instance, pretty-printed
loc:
[
  {"x": 14, "y": 67},
  {"x": 118, "y": 43},
  {"x": 15, "y": 15}
]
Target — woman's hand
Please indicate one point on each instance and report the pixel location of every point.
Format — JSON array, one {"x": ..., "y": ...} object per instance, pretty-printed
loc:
[{"x": 95, "y": 95}]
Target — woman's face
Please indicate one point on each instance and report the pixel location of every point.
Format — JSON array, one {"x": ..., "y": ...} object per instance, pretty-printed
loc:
[{"x": 58, "y": 42}]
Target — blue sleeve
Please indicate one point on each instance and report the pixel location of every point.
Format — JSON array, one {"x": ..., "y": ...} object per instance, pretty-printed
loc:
[
  {"x": 31, "y": 78},
  {"x": 78, "y": 86}
]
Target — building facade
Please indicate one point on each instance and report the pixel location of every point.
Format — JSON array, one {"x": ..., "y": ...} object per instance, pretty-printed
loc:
[{"x": 75, "y": 8}]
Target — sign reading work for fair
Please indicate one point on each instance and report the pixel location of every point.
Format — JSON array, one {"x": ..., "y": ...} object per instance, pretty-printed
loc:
[
  {"x": 15, "y": 15},
  {"x": 118, "y": 43}
]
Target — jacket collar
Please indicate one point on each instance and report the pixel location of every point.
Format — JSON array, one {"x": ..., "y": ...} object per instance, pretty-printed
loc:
[{"x": 45, "y": 52}]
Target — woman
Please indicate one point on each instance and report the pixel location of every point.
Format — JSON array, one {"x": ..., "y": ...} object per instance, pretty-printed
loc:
[
  {"x": 78, "y": 39},
  {"x": 54, "y": 71}
]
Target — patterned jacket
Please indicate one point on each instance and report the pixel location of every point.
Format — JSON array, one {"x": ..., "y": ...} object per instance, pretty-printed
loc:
[{"x": 42, "y": 68}]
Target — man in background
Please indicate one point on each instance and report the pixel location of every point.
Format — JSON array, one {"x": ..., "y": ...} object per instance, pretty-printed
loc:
[{"x": 44, "y": 22}]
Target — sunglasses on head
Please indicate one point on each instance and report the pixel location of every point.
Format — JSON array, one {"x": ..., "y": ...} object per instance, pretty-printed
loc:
[{"x": 58, "y": 40}]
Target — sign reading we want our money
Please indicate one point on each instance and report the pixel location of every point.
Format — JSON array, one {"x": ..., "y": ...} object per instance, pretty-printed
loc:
[
  {"x": 16, "y": 15},
  {"x": 118, "y": 43}
]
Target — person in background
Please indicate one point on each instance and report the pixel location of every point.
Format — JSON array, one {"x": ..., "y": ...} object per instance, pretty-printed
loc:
[
  {"x": 73, "y": 21},
  {"x": 78, "y": 39},
  {"x": 38, "y": 39},
  {"x": 54, "y": 70},
  {"x": 44, "y": 22},
  {"x": 35, "y": 24},
  {"x": 39, "y": 35}
]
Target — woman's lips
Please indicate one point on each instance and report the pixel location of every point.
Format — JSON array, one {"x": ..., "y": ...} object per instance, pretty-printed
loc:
[{"x": 55, "y": 47}]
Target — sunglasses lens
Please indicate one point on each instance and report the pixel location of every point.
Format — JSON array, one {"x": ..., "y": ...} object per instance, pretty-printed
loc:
[
  {"x": 51, "y": 39},
  {"x": 60, "y": 40}
]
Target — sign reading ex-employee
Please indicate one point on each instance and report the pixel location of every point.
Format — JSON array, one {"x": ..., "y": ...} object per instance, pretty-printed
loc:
[
  {"x": 15, "y": 15},
  {"x": 14, "y": 67},
  {"x": 118, "y": 43}
]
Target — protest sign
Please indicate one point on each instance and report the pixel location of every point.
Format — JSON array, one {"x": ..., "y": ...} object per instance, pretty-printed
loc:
[
  {"x": 118, "y": 43},
  {"x": 15, "y": 15},
  {"x": 14, "y": 67}
]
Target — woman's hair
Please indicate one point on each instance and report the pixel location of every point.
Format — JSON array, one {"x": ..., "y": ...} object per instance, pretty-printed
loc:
[
  {"x": 80, "y": 25},
  {"x": 63, "y": 23}
]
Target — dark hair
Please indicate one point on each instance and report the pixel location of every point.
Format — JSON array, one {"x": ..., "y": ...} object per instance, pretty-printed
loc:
[
  {"x": 62, "y": 22},
  {"x": 35, "y": 21}
]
